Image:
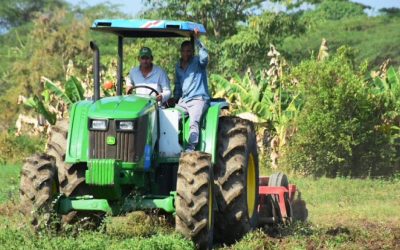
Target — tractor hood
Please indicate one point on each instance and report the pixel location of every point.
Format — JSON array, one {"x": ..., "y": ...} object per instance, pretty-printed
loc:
[{"x": 122, "y": 107}]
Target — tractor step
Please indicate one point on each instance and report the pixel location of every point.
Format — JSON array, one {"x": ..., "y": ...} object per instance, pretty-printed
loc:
[{"x": 64, "y": 205}]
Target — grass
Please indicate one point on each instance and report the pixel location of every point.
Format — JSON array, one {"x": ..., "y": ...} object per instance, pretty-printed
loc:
[
  {"x": 349, "y": 201},
  {"x": 343, "y": 214},
  {"x": 9, "y": 181}
]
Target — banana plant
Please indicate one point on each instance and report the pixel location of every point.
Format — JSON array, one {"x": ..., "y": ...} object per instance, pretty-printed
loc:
[
  {"x": 55, "y": 98},
  {"x": 387, "y": 88},
  {"x": 245, "y": 94},
  {"x": 71, "y": 92},
  {"x": 257, "y": 97}
]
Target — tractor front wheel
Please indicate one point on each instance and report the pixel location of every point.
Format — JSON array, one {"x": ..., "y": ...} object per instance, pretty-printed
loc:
[
  {"x": 71, "y": 177},
  {"x": 38, "y": 188},
  {"x": 194, "y": 200}
]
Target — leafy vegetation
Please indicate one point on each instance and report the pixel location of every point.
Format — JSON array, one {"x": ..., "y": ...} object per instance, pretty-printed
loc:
[
  {"x": 338, "y": 128},
  {"x": 13, "y": 148}
]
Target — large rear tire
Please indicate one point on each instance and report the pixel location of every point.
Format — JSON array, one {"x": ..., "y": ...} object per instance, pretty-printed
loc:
[
  {"x": 194, "y": 200},
  {"x": 236, "y": 175},
  {"x": 38, "y": 188}
]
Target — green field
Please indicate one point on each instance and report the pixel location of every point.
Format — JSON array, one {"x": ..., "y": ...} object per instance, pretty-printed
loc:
[{"x": 343, "y": 214}]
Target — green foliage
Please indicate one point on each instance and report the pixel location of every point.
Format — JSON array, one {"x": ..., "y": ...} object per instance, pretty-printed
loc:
[
  {"x": 337, "y": 129},
  {"x": 373, "y": 38},
  {"x": 9, "y": 182},
  {"x": 50, "y": 43},
  {"x": 52, "y": 96},
  {"x": 333, "y": 10},
  {"x": 16, "y": 148},
  {"x": 41, "y": 108},
  {"x": 17, "y": 12},
  {"x": 136, "y": 224},
  {"x": 217, "y": 16},
  {"x": 245, "y": 94},
  {"x": 251, "y": 44},
  {"x": 57, "y": 91},
  {"x": 74, "y": 90},
  {"x": 390, "y": 11}
]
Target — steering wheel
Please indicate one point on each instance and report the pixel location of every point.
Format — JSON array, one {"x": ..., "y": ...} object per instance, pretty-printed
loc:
[{"x": 146, "y": 87}]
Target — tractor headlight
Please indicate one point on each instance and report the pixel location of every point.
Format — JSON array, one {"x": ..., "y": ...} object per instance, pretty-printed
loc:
[
  {"x": 98, "y": 125},
  {"x": 125, "y": 125}
]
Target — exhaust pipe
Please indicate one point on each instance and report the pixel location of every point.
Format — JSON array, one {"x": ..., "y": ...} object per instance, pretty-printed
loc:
[{"x": 96, "y": 70}]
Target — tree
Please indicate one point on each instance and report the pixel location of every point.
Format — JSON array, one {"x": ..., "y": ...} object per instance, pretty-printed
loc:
[
  {"x": 51, "y": 42},
  {"x": 373, "y": 38},
  {"x": 342, "y": 129},
  {"x": 390, "y": 11},
  {"x": 333, "y": 10},
  {"x": 249, "y": 47},
  {"x": 17, "y": 12},
  {"x": 293, "y": 4},
  {"x": 220, "y": 16}
]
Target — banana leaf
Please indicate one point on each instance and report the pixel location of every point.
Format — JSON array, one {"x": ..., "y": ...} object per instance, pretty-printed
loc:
[
  {"x": 30, "y": 102},
  {"x": 46, "y": 95},
  {"x": 393, "y": 79},
  {"x": 74, "y": 90},
  {"x": 41, "y": 109},
  {"x": 57, "y": 91},
  {"x": 381, "y": 85}
]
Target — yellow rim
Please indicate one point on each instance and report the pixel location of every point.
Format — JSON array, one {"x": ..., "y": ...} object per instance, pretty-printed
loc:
[
  {"x": 210, "y": 202},
  {"x": 251, "y": 185}
]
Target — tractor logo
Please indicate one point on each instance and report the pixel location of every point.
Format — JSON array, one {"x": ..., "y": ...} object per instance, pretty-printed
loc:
[{"x": 110, "y": 140}]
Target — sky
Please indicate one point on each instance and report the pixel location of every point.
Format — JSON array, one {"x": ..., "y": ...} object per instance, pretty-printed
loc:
[{"x": 132, "y": 7}]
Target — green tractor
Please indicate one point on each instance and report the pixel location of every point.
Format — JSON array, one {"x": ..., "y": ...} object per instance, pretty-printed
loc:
[{"x": 124, "y": 153}]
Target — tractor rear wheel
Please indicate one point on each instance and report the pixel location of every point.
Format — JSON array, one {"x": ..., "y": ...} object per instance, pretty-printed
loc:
[
  {"x": 71, "y": 177},
  {"x": 236, "y": 176},
  {"x": 194, "y": 200},
  {"x": 38, "y": 188}
]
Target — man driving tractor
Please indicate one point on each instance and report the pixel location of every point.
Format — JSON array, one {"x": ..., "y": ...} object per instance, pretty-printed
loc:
[{"x": 148, "y": 74}]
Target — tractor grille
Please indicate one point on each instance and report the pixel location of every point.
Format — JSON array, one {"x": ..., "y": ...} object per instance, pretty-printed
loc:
[{"x": 129, "y": 146}]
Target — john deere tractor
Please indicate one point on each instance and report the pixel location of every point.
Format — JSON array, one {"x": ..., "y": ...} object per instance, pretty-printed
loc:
[{"x": 124, "y": 153}]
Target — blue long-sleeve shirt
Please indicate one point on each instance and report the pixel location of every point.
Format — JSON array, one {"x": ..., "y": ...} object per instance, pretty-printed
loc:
[{"x": 191, "y": 83}]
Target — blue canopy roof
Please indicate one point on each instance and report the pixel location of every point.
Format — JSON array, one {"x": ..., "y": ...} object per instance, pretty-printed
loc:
[{"x": 147, "y": 28}]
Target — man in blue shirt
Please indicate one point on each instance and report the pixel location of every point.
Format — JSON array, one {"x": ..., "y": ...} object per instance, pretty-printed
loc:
[
  {"x": 191, "y": 87},
  {"x": 148, "y": 74}
]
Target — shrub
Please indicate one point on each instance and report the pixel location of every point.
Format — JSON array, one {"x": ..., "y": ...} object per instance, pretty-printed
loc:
[
  {"x": 338, "y": 128},
  {"x": 16, "y": 148}
]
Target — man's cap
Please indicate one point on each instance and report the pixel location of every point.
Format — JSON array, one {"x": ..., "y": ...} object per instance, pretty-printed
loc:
[{"x": 145, "y": 52}]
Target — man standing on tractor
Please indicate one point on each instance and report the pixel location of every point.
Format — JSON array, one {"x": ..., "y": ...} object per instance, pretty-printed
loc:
[
  {"x": 191, "y": 87},
  {"x": 148, "y": 74}
]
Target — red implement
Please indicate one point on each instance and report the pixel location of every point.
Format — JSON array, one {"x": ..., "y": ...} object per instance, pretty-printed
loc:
[{"x": 277, "y": 207}]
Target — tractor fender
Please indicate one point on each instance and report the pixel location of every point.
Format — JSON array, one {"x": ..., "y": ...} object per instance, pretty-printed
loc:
[
  {"x": 78, "y": 133},
  {"x": 209, "y": 128}
]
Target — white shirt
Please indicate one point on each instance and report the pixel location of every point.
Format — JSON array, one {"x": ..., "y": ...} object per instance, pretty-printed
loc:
[{"x": 156, "y": 79}]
